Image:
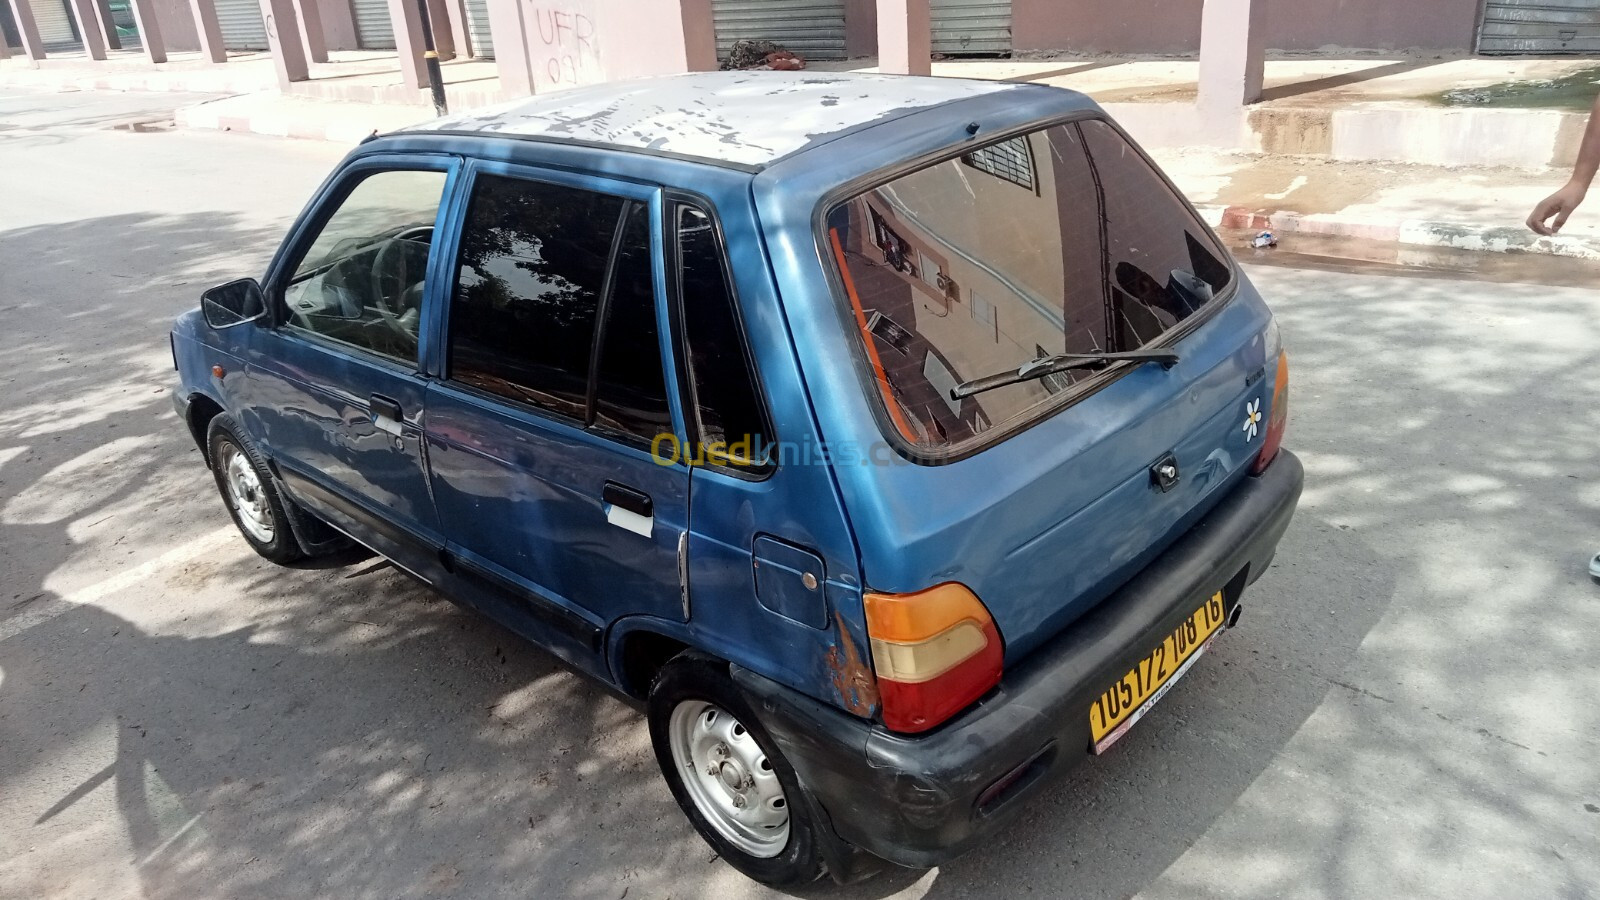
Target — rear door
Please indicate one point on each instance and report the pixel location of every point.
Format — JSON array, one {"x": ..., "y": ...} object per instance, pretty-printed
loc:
[
  {"x": 335, "y": 389},
  {"x": 553, "y": 392}
]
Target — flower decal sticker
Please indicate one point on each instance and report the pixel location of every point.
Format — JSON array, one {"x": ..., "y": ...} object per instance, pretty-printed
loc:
[{"x": 1252, "y": 419}]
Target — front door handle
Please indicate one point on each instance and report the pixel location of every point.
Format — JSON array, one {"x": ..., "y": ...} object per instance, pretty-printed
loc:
[{"x": 386, "y": 414}]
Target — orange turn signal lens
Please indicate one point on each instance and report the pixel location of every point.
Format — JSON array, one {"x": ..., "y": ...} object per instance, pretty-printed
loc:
[{"x": 934, "y": 652}]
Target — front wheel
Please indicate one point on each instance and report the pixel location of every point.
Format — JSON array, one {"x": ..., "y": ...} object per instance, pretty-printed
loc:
[
  {"x": 247, "y": 489},
  {"x": 728, "y": 776}
]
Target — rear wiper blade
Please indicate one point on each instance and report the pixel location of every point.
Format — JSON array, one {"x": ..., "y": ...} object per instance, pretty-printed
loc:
[{"x": 1054, "y": 365}]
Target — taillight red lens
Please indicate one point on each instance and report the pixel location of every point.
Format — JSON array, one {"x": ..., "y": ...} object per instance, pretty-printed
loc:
[
  {"x": 1279, "y": 422},
  {"x": 934, "y": 652}
]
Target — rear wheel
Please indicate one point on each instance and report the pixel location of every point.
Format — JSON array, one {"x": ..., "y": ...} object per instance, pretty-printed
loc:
[
  {"x": 728, "y": 776},
  {"x": 251, "y": 497}
]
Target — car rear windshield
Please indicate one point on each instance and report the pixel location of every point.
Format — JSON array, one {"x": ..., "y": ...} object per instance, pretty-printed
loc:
[{"x": 1063, "y": 240}]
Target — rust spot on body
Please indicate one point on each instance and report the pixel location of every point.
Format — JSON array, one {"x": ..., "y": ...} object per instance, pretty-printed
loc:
[{"x": 851, "y": 676}]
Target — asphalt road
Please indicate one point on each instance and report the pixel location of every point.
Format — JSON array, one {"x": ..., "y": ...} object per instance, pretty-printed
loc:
[{"x": 1408, "y": 711}]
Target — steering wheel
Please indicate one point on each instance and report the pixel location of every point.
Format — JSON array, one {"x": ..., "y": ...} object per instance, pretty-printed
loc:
[{"x": 391, "y": 266}]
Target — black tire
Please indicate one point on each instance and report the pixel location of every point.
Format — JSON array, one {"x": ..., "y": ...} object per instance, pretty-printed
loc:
[
  {"x": 692, "y": 676},
  {"x": 223, "y": 442}
]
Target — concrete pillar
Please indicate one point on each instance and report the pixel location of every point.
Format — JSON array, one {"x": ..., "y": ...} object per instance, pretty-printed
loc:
[
  {"x": 512, "y": 55},
  {"x": 407, "y": 22},
  {"x": 860, "y": 27},
  {"x": 460, "y": 39},
  {"x": 144, "y": 16},
  {"x": 208, "y": 29},
  {"x": 312, "y": 36},
  {"x": 1233, "y": 53},
  {"x": 283, "y": 39},
  {"x": 905, "y": 37},
  {"x": 699, "y": 36},
  {"x": 22, "y": 14},
  {"x": 94, "y": 43},
  {"x": 108, "y": 25},
  {"x": 444, "y": 42}
]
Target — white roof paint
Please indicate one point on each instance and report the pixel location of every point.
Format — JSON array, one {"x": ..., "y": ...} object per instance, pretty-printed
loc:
[{"x": 751, "y": 118}]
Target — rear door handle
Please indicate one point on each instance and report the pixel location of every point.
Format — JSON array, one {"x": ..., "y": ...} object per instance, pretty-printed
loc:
[
  {"x": 630, "y": 499},
  {"x": 386, "y": 414}
]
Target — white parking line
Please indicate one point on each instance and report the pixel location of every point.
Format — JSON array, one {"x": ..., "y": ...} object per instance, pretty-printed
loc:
[{"x": 121, "y": 581}]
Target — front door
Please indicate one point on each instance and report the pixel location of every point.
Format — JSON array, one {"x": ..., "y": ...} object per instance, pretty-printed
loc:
[
  {"x": 335, "y": 387},
  {"x": 540, "y": 432}
]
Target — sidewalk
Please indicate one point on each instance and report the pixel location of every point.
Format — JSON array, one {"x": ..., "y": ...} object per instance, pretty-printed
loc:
[
  {"x": 1481, "y": 209},
  {"x": 1365, "y": 147}
]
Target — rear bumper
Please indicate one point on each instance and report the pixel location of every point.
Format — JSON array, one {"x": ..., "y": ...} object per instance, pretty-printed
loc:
[{"x": 920, "y": 801}]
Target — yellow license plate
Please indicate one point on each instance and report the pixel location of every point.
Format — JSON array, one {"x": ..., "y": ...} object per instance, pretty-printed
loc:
[{"x": 1126, "y": 702}]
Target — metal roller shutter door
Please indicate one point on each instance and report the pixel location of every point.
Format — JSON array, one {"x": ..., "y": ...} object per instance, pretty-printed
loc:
[
  {"x": 478, "y": 29},
  {"x": 812, "y": 28},
  {"x": 1540, "y": 27},
  {"x": 374, "y": 31},
  {"x": 971, "y": 26},
  {"x": 55, "y": 26},
  {"x": 242, "y": 25}
]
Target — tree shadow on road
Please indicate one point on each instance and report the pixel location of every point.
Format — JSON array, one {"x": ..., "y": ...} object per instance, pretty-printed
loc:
[{"x": 358, "y": 736}]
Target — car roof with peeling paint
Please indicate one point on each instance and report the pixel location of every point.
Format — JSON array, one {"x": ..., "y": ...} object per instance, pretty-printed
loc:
[{"x": 748, "y": 119}]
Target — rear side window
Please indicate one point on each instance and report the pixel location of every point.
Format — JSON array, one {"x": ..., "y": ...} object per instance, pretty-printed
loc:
[
  {"x": 541, "y": 267},
  {"x": 730, "y": 418},
  {"x": 630, "y": 390},
  {"x": 1063, "y": 240}
]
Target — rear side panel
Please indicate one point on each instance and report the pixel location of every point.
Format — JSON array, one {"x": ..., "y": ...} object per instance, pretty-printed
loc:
[{"x": 1045, "y": 522}]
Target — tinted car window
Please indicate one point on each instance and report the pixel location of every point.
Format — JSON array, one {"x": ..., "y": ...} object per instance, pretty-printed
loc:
[
  {"x": 727, "y": 406},
  {"x": 361, "y": 282},
  {"x": 630, "y": 390},
  {"x": 532, "y": 267},
  {"x": 1064, "y": 240}
]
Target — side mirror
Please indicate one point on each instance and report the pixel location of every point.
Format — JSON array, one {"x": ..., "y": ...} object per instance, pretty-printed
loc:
[{"x": 234, "y": 303}]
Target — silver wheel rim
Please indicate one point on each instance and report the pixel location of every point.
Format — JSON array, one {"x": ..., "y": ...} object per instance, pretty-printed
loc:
[
  {"x": 729, "y": 778},
  {"x": 246, "y": 494}
]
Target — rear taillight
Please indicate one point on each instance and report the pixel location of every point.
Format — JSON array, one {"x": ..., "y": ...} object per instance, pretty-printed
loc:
[
  {"x": 1279, "y": 420},
  {"x": 935, "y": 652}
]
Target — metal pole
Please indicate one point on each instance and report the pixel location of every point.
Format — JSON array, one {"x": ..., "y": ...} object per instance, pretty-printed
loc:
[{"x": 431, "y": 55}]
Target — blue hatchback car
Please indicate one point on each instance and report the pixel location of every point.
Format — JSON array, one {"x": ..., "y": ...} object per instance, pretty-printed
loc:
[{"x": 898, "y": 442}]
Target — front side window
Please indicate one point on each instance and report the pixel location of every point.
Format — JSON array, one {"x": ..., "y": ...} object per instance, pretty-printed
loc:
[
  {"x": 1063, "y": 240},
  {"x": 555, "y": 305},
  {"x": 361, "y": 282}
]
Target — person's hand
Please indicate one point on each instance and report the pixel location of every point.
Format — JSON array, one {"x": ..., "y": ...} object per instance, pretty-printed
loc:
[{"x": 1558, "y": 207}]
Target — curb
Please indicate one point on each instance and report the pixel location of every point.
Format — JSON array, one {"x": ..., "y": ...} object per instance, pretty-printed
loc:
[
  {"x": 205, "y": 116},
  {"x": 1411, "y": 232}
]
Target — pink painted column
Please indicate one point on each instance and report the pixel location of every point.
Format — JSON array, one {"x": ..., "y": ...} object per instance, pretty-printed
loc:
[
  {"x": 94, "y": 43},
  {"x": 312, "y": 36},
  {"x": 460, "y": 39},
  {"x": 144, "y": 16},
  {"x": 407, "y": 24},
  {"x": 860, "y": 27},
  {"x": 22, "y": 14},
  {"x": 905, "y": 37},
  {"x": 108, "y": 26},
  {"x": 512, "y": 55},
  {"x": 283, "y": 39},
  {"x": 444, "y": 42},
  {"x": 1233, "y": 53},
  {"x": 699, "y": 36},
  {"x": 208, "y": 29}
]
